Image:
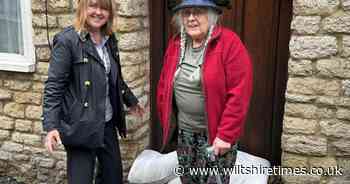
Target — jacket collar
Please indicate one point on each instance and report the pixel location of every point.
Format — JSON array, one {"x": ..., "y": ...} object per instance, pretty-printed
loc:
[{"x": 83, "y": 35}]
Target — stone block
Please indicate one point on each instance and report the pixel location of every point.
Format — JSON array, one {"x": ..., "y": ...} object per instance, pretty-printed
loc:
[
  {"x": 315, "y": 7},
  {"x": 26, "y": 168},
  {"x": 307, "y": 145},
  {"x": 42, "y": 68},
  {"x": 344, "y": 163},
  {"x": 146, "y": 22},
  {"x": 40, "y": 35},
  {"x": 23, "y": 125},
  {"x": 339, "y": 180},
  {"x": 144, "y": 100},
  {"x": 344, "y": 101},
  {"x": 346, "y": 46},
  {"x": 137, "y": 82},
  {"x": 133, "y": 8},
  {"x": 33, "y": 112},
  {"x": 14, "y": 110},
  {"x": 346, "y": 4},
  {"x": 27, "y": 139},
  {"x": 293, "y": 160},
  {"x": 323, "y": 162},
  {"x": 65, "y": 20},
  {"x": 1, "y": 106},
  {"x": 28, "y": 98},
  {"x": 300, "y": 67},
  {"x": 290, "y": 97},
  {"x": 40, "y": 78},
  {"x": 61, "y": 165},
  {"x": 297, "y": 125},
  {"x": 133, "y": 122},
  {"x": 309, "y": 179},
  {"x": 346, "y": 87},
  {"x": 337, "y": 23},
  {"x": 20, "y": 85},
  {"x": 38, "y": 127},
  {"x": 12, "y": 147},
  {"x": 44, "y": 162},
  {"x": 139, "y": 133},
  {"x": 138, "y": 91},
  {"x": 134, "y": 41},
  {"x": 306, "y": 24},
  {"x": 5, "y": 94},
  {"x": 128, "y": 24},
  {"x": 301, "y": 110},
  {"x": 42, "y": 53},
  {"x": 325, "y": 113},
  {"x": 7, "y": 123},
  {"x": 326, "y": 100},
  {"x": 131, "y": 73},
  {"x": 5, "y": 155},
  {"x": 335, "y": 67},
  {"x": 313, "y": 86},
  {"x": 313, "y": 47},
  {"x": 38, "y": 87},
  {"x": 54, "y": 6},
  {"x": 39, "y": 20},
  {"x": 21, "y": 157},
  {"x": 343, "y": 114},
  {"x": 342, "y": 147},
  {"x": 4, "y": 134},
  {"x": 132, "y": 58}
]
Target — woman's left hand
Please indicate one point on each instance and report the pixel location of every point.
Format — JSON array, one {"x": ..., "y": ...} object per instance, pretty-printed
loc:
[
  {"x": 137, "y": 110},
  {"x": 220, "y": 146}
]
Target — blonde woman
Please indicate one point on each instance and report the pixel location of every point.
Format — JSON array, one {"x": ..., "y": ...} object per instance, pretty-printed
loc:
[{"x": 84, "y": 95}]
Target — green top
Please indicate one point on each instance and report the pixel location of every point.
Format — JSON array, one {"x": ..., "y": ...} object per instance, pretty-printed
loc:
[{"x": 188, "y": 91}]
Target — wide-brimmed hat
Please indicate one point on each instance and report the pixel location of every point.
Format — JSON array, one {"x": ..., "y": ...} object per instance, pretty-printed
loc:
[{"x": 197, "y": 3}]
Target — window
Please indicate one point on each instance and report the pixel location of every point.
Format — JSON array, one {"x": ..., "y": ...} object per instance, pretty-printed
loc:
[{"x": 16, "y": 43}]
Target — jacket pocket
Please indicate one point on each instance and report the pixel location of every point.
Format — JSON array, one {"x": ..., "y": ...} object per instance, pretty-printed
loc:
[{"x": 82, "y": 75}]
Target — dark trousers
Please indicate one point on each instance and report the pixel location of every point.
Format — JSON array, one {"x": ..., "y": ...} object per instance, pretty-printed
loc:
[{"x": 81, "y": 161}]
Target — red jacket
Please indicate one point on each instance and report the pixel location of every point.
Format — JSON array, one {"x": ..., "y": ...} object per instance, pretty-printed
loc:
[{"x": 226, "y": 81}]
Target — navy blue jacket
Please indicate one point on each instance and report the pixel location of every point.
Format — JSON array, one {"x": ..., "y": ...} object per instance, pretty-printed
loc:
[{"x": 75, "y": 91}]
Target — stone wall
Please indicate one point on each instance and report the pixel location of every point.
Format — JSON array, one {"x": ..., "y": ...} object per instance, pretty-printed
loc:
[
  {"x": 316, "y": 129},
  {"x": 22, "y": 153}
]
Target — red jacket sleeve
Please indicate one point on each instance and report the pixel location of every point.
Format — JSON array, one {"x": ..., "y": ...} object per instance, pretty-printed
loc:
[{"x": 238, "y": 76}]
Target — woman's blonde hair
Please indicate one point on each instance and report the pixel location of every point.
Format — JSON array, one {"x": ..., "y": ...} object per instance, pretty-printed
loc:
[{"x": 80, "y": 17}]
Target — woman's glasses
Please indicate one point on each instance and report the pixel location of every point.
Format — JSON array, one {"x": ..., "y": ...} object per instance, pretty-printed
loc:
[{"x": 193, "y": 11}]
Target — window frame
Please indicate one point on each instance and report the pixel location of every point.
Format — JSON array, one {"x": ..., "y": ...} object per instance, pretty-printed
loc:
[{"x": 25, "y": 62}]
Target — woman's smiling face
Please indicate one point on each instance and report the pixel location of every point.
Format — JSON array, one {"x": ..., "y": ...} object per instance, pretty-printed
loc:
[
  {"x": 97, "y": 16},
  {"x": 196, "y": 22}
]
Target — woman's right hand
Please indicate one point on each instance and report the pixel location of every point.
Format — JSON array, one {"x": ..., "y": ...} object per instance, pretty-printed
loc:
[{"x": 52, "y": 140}]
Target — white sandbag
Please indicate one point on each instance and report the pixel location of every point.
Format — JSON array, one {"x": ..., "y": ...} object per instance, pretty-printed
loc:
[
  {"x": 176, "y": 180},
  {"x": 249, "y": 161},
  {"x": 153, "y": 167}
]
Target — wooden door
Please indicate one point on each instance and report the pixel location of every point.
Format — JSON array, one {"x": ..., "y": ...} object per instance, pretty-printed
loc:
[{"x": 264, "y": 27}]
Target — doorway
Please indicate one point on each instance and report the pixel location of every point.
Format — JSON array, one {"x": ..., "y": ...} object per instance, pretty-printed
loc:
[{"x": 264, "y": 27}]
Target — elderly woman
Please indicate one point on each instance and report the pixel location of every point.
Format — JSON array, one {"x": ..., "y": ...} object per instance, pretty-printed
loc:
[
  {"x": 84, "y": 95},
  {"x": 206, "y": 84}
]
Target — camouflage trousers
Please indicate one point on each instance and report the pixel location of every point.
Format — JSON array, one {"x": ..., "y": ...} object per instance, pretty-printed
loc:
[{"x": 193, "y": 155}]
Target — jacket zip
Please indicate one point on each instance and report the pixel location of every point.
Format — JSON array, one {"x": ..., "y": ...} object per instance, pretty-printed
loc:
[
  {"x": 205, "y": 96},
  {"x": 204, "y": 90},
  {"x": 170, "y": 103}
]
